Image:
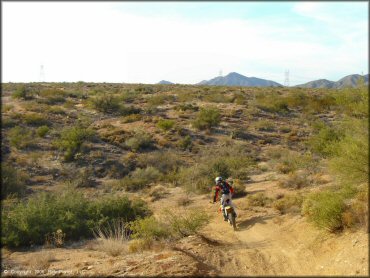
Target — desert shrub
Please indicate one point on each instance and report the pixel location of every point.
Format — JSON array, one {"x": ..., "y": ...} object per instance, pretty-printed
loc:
[
  {"x": 264, "y": 125},
  {"x": 105, "y": 103},
  {"x": 207, "y": 118},
  {"x": 30, "y": 221},
  {"x": 157, "y": 192},
  {"x": 285, "y": 129},
  {"x": 296, "y": 180},
  {"x": 186, "y": 143},
  {"x": 217, "y": 97},
  {"x": 354, "y": 102},
  {"x": 258, "y": 200},
  {"x": 21, "y": 92},
  {"x": 160, "y": 99},
  {"x": 164, "y": 161},
  {"x": 113, "y": 237},
  {"x": 350, "y": 155},
  {"x": 289, "y": 204},
  {"x": 12, "y": 181},
  {"x": 187, "y": 223},
  {"x": 42, "y": 131},
  {"x": 235, "y": 163},
  {"x": 357, "y": 210},
  {"x": 8, "y": 122},
  {"x": 128, "y": 96},
  {"x": 35, "y": 119},
  {"x": 56, "y": 110},
  {"x": 140, "y": 178},
  {"x": 291, "y": 161},
  {"x": 272, "y": 102},
  {"x": 140, "y": 140},
  {"x": 325, "y": 209},
  {"x": 165, "y": 124},
  {"x": 239, "y": 188},
  {"x": 132, "y": 118},
  {"x": 20, "y": 137},
  {"x": 149, "y": 228},
  {"x": 323, "y": 139},
  {"x": 71, "y": 140},
  {"x": 320, "y": 103},
  {"x": 109, "y": 104},
  {"x": 186, "y": 106},
  {"x": 240, "y": 98}
]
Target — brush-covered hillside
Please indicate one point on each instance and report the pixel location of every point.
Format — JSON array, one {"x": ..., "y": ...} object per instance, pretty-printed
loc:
[{"x": 115, "y": 179}]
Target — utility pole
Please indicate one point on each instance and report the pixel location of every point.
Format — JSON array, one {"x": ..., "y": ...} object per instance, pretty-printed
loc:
[
  {"x": 286, "y": 80},
  {"x": 42, "y": 74}
]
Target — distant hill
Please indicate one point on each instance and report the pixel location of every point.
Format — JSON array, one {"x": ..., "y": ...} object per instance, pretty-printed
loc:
[
  {"x": 236, "y": 79},
  {"x": 347, "y": 81},
  {"x": 165, "y": 82}
]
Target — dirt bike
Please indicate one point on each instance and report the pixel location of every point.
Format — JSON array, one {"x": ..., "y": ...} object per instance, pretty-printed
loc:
[{"x": 230, "y": 213}]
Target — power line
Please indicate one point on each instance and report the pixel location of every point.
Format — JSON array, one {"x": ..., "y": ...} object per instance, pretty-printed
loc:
[
  {"x": 42, "y": 74},
  {"x": 286, "y": 80}
]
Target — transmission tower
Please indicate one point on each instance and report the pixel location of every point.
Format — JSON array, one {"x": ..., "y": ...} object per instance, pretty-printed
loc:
[
  {"x": 42, "y": 73},
  {"x": 286, "y": 80}
]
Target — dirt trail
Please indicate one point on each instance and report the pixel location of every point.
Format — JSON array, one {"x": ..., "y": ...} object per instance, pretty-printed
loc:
[
  {"x": 264, "y": 244},
  {"x": 269, "y": 244}
]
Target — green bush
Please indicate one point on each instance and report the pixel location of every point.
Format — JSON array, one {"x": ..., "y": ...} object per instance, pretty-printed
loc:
[
  {"x": 218, "y": 97},
  {"x": 264, "y": 125},
  {"x": 323, "y": 139},
  {"x": 291, "y": 161},
  {"x": 35, "y": 119},
  {"x": 165, "y": 124},
  {"x": 160, "y": 99},
  {"x": 42, "y": 130},
  {"x": 132, "y": 118},
  {"x": 30, "y": 221},
  {"x": 140, "y": 140},
  {"x": 186, "y": 106},
  {"x": 71, "y": 140},
  {"x": 207, "y": 118},
  {"x": 111, "y": 105},
  {"x": 149, "y": 228},
  {"x": 187, "y": 223},
  {"x": 20, "y": 137},
  {"x": 13, "y": 181},
  {"x": 272, "y": 102},
  {"x": 21, "y": 92},
  {"x": 163, "y": 161},
  {"x": 186, "y": 143},
  {"x": 236, "y": 162},
  {"x": 325, "y": 209},
  {"x": 140, "y": 178},
  {"x": 350, "y": 159}
]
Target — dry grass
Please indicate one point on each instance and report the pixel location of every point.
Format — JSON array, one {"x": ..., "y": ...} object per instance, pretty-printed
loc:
[
  {"x": 113, "y": 239},
  {"x": 157, "y": 192},
  {"x": 41, "y": 260}
]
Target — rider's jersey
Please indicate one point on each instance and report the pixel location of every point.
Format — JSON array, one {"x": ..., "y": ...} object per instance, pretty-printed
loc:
[{"x": 224, "y": 188}]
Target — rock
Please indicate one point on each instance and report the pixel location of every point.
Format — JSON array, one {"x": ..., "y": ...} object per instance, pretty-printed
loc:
[{"x": 90, "y": 267}]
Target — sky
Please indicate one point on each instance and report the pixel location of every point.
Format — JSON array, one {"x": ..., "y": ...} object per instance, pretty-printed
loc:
[{"x": 182, "y": 42}]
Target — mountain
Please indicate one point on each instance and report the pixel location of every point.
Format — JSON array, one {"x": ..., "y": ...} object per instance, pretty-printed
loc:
[
  {"x": 236, "y": 79},
  {"x": 165, "y": 82},
  {"x": 347, "y": 81}
]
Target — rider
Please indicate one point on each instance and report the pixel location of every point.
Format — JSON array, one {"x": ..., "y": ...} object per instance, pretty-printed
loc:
[{"x": 226, "y": 191}]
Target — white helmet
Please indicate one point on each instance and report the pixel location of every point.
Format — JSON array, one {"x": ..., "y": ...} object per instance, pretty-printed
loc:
[{"x": 218, "y": 179}]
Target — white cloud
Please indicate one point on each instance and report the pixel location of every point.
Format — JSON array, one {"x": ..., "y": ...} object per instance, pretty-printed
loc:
[{"x": 95, "y": 42}]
